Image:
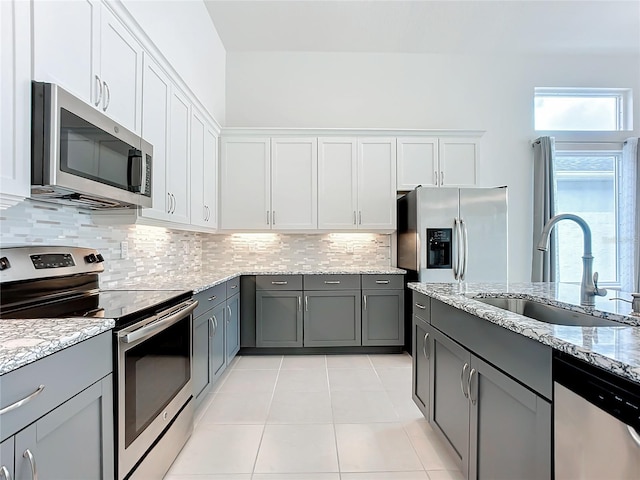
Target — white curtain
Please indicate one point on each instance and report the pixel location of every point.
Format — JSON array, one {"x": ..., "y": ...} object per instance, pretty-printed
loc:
[
  {"x": 630, "y": 223},
  {"x": 542, "y": 268}
]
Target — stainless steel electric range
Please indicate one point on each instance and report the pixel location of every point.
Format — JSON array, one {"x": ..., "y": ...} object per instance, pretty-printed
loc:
[{"x": 152, "y": 347}]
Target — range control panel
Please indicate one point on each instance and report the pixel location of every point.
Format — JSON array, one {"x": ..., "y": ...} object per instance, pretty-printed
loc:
[{"x": 52, "y": 260}]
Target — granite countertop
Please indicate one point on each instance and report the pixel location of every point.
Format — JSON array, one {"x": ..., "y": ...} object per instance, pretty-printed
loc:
[
  {"x": 23, "y": 341},
  {"x": 616, "y": 349},
  {"x": 26, "y": 340}
]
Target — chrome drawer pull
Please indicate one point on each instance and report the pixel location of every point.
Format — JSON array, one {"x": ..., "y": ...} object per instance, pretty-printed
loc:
[
  {"x": 382, "y": 282},
  {"x": 279, "y": 283},
  {"x": 26, "y": 399},
  {"x": 234, "y": 286},
  {"x": 332, "y": 282},
  {"x": 211, "y": 298},
  {"x": 34, "y": 469},
  {"x": 4, "y": 473},
  {"x": 421, "y": 307},
  {"x": 464, "y": 370}
]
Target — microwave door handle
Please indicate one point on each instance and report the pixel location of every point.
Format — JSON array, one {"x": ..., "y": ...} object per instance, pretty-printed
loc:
[{"x": 134, "y": 170}]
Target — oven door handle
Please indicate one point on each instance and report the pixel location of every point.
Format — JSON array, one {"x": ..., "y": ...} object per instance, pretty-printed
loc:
[{"x": 160, "y": 324}]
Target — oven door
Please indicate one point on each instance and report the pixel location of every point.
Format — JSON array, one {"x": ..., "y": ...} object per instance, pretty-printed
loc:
[{"x": 154, "y": 380}]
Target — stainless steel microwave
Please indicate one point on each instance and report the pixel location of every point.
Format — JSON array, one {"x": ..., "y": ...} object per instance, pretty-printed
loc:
[{"x": 80, "y": 156}]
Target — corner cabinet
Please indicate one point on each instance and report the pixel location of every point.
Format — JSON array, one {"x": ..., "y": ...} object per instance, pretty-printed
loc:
[
  {"x": 437, "y": 162},
  {"x": 85, "y": 49}
]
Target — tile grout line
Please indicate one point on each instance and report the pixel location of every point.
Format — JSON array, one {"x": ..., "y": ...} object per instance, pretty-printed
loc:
[{"x": 333, "y": 419}]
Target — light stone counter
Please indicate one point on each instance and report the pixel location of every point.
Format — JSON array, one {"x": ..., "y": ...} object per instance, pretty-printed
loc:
[{"x": 616, "y": 349}]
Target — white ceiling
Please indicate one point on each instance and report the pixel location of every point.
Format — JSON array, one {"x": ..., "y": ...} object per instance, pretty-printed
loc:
[{"x": 442, "y": 26}]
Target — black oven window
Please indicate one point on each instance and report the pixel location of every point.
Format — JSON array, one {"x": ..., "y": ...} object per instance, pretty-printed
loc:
[{"x": 155, "y": 371}]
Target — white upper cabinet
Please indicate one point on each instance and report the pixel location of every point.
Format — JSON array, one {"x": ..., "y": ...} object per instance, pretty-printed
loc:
[
  {"x": 155, "y": 129},
  {"x": 178, "y": 180},
  {"x": 15, "y": 102},
  {"x": 377, "y": 183},
  {"x": 337, "y": 183},
  {"x": 458, "y": 161},
  {"x": 245, "y": 184},
  {"x": 82, "y": 47},
  {"x": 204, "y": 178},
  {"x": 294, "y": 183},
  {"x": 437, "y": 162}
]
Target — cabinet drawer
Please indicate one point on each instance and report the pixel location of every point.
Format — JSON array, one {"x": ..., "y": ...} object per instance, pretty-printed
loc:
[
  {"x": 61, "y": 379},
  {"x": 385, "y": 282},
  {"x": 331, "y": 282},
  {"x": 421, "y": 307},
  {"x": 279, "y": 282},
  {"x": 209, "y": 298},
  {"x": 233, "y": 287}
]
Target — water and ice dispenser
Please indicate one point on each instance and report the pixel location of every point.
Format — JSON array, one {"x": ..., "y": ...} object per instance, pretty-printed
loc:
[{"x": 439, "y": 247}]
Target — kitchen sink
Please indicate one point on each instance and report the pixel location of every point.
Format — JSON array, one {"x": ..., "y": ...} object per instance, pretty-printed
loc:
[{"x": 547, "y": 313}]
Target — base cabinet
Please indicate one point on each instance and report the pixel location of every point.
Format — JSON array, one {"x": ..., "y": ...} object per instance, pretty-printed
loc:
[
  {"x": 332, "y": 318},
  {"x": 279, "y": 318},
  {"x": 232, "y": 327},
  {"x": 421, "y": 379},
  {"x": 382, "y": 317}
]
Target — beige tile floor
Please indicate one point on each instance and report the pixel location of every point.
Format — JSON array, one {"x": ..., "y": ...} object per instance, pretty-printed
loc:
[{"x": 314, "y": 417}]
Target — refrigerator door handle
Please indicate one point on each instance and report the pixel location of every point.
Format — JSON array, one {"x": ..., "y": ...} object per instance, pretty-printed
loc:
[
  {"x": 456, "y": 263},
  {"x": 465, "y": 254}
]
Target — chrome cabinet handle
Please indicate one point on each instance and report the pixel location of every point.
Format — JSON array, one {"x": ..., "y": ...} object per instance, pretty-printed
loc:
[
  {"x": 99, "y": 83},
  {"x": 360, "y": 217},
  {"x": 107, "y": 97},
  {"x": 273, "y": 217},
  {"x": 382, "y": 282},
  {"x": 420, "y": 306},
  {"x": 299, "y": 303},
  {"x": 267, "y": 217},
  {"x": 354, "y": 217},
  {"x": 365, "y": 301},
  {"x": 215, "y": 324},
  {"x": 441, "y": 177},
  {"x": 425, "y": 342},
  {"x": 332, "y": 282},
  {"x": 634, "y": 435},
  {"x": 212, "y": 329},
  {"x": 234, "y": 286},
  {"x": 169, "y": 199},
  {"x": 473, "y": 372},
  {"x": 26, "y": 399},
  {"x": 465, "y": 249},
  {"x": 212, "y": 298},
  {"x": 462, "y": 382},
  {"x": 435, "y": 174},
  {"x": 175, "y": 203},
  {"x": 279, "y": 283},
  {"x": 4, "y": 473},
  {"x": 306, "y": 303},
  {"x": 230, "y": 314},
  {"x": 34, "y": 469}
]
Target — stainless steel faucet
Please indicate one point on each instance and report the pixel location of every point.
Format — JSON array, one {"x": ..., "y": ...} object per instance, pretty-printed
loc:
[{"x": 589, "y": 286}]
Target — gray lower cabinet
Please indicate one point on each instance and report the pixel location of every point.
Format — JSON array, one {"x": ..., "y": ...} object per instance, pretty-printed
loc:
[
  {"x": 382, "y": 317},
  {"x": 232, "y": 327},
  {"x": 332, "y": 318},
  {"x": 422, "y": 346},
  {"x": 279, "y": 318},
  {"x": 218, "y": 355},
  {"x": 73, "y": 441},
  {"x": 7, "y": 459},
  {"x": 201, "y": 371}
]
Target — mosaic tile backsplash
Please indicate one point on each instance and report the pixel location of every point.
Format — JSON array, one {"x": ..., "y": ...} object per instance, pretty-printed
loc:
[{"x": 162, "y": 252}]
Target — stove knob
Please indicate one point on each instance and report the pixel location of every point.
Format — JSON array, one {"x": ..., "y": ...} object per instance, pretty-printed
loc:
[
  {"x": 91, "y": 258},
  {"x": 4, "y": 263},
  {"x": 100, "y": 258}
]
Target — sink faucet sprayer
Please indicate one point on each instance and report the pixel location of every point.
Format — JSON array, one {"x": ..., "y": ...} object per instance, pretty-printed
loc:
[{"x": 589, "y": 286}]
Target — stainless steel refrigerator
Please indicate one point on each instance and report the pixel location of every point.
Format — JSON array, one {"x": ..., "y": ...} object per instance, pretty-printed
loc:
[{"x": 453, "y": 234}]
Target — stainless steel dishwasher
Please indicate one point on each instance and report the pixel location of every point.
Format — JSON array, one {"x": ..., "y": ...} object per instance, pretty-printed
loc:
[{"x": 596, "y": 422}]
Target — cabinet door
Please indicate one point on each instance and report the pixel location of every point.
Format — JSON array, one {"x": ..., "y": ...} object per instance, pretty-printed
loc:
[
  {"x": 218, "y": 355},
  {"x": 382, "y": 317},
  {"x": 210, "y": 176},
  {"x": 278, "y": 319},
  {"x": 417, "y": 162},
  {"x": 73, "y": 441},
  {"x": 6, "y": 459},
  {"x": 201, "y": 374},
  {"x": 337, "y": 184},
  {"x": 120, "y": 72},
  {"x": 198, "y": 210},
  {"x": 510, "y": 428},
  {"x": 294, "y": 183},
  {"x": 15, "y": 101},
  {"x": 422, "y": 341},
  {"x": 332, "y": 318},
  {"x": 458, "y": 161},
  {"x": 178, "y": 161},
  {"x": 233, "y": 327},
  {"x": 245, "y": 184},
  {"x": 155, "y": 129},
  {"x": 377, "y": 183},
  {"x": 65, "y": 39},
  {"x": 450, "y": 407}
]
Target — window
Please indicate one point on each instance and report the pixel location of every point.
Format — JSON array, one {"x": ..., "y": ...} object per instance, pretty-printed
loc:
[
  {"x": 582, "y": 109},
  {"x": 587, "y": 183}
]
